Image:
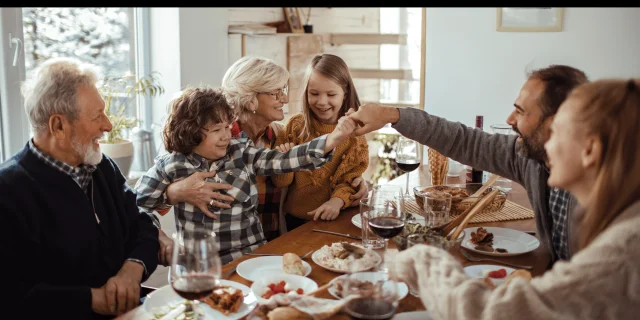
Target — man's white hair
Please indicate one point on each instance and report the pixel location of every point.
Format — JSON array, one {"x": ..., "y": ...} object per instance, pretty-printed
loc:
[
  {"x": 53, "y": 90},
  {"x": 248, "y": 76}
]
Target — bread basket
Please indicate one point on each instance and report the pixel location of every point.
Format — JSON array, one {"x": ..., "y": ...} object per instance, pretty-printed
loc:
[{"x": 460, "y": 192}]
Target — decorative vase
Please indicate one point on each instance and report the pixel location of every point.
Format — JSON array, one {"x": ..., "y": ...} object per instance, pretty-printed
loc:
[
  {"x": 308, "y": 28},
  {"x": 121, "y": 152}
]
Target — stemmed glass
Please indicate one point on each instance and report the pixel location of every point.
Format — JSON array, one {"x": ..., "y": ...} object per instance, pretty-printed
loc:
[
  {"x": 407, "y": 156},
  {"x": 370, "y": 295},
  {"x": 386, "y": 216},
  {"x": 195, "y": 265}
]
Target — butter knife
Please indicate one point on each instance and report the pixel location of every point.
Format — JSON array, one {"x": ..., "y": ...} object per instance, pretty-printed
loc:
[{"x": 339, "y": 234}]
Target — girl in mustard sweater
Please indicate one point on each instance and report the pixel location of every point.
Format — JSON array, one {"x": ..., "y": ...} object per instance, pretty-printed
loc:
[{"x": 328, "y": 95}]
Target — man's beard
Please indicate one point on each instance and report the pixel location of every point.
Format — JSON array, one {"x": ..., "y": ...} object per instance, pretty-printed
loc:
[
  {"x": 532, "y": 147},
  {"x": 88, "y": 154}
]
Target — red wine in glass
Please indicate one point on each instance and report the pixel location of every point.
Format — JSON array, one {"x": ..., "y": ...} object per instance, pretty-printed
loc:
[
  {"x": 386, "y": 227},
  {"x": 195, "y": 286},
  {"x": 407, "y": 165},
  {"x": 369, "y": 308}
]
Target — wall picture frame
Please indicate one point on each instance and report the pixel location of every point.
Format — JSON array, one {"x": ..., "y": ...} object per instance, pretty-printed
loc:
[
  {"x": 294, "y": 20},
  {"x": 542, "y": 19}
]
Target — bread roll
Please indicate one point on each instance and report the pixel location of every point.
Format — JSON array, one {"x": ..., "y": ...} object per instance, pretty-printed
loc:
[
  {"x": 520, "y": 273},
  {"x": 292, "y": 264},
  {"x": 287, "y": 313}
]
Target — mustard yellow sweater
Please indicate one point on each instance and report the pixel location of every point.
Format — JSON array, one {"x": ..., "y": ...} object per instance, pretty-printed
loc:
[{"x": 310, "y": 189}]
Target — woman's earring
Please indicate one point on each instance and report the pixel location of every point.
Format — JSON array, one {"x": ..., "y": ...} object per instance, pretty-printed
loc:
[{"x": 254, "y": 112}]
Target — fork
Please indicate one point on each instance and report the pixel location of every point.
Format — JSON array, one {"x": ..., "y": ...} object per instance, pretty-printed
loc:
[{"x": 475, "y": 259}]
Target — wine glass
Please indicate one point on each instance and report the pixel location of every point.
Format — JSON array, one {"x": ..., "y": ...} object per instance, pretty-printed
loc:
[
  {"x": 386, "y": 216},
  {"x": 195, "y": 265},
  {"x": 407, "y": 156},
  {"x": 369, "y": 295}
]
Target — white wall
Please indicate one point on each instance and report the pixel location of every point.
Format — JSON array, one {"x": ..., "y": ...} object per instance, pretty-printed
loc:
[
  {"x": 187, "y": 48},
  {"x": 473, "y": 69},
  {"x": 324, "y": 21}
]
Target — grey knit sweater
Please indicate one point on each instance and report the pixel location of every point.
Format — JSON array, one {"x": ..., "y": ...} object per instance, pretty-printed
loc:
[{"x": 495, "y": 153}]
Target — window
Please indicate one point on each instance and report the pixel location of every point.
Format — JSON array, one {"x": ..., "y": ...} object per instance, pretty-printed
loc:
[
  {"x": 392, "y": 56},
  {"x": 107, "y": 37}
]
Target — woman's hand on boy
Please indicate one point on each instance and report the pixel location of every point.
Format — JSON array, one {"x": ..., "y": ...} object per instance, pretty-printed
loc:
[
  {"x": 285, "y": 147},
  {"x": 199, "y": 192},
  {"x": 328, "y": 210}
]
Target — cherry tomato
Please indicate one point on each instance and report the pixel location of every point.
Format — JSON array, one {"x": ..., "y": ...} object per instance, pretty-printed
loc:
[{"x": 498, "y": 274}]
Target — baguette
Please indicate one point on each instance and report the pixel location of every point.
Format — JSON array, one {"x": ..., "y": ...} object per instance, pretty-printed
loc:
[
  {"x": 292, "y": 264},
  {"x": 520, "y": 273}
]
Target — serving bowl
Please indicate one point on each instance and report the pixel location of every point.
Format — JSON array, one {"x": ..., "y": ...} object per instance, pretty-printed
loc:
[
  {"x": 460, "y": 192},
  {"x": 416, "y": 233}
]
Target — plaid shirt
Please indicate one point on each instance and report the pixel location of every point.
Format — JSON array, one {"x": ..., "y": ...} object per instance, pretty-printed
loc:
[
  {"x": 82, "y": 174},
  {"x": 268, "y": 193},
  {"x": 238, "y": 228},
  {"x": 558, "y": 203}
]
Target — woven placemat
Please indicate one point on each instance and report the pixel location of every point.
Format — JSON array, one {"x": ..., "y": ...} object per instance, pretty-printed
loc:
[{"x": 510, "y": 211}]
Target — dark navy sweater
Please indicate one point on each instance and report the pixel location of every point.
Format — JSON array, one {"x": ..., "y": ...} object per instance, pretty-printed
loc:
[{"x": 53, "y": 250}]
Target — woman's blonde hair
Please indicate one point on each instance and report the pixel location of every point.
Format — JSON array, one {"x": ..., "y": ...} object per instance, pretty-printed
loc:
[
  {"x": 610, "y": 109},
  {"x": 334, "y": 68},
  {"x": 248, "y": 76}
]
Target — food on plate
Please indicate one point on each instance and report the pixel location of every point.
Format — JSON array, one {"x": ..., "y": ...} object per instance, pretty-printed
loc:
[
  {"x": 225, "y": 299},
  {"x": 483, "y": 240},
  {"x": 457, "y": 193},
  {"x": 482, "y": 236},
  {"x": 520, "y": 273},
  {"x": 292, "y": 264},
  {"x": 287, "y": 313},
  {"x": 280, "y": 287},
  {"x": 496, "y": 274},
  {"x": 340, "y": 257}
]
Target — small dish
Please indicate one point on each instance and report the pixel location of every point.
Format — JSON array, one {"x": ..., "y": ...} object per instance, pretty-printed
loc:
[{"x": 293, "y": 282}]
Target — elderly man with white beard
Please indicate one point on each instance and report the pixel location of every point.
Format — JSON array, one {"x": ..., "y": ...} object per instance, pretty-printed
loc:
[{"x": 73, "y": 237}]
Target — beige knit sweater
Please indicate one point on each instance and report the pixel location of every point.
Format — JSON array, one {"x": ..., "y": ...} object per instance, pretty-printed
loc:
[{"x": 602, "y": 281}]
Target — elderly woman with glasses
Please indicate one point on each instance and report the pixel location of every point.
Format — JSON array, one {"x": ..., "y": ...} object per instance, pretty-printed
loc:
[{"x": 257, "y": 88}]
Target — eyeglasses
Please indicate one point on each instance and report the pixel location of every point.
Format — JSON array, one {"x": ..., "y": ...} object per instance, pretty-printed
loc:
[{"x": 277, "y": 95}]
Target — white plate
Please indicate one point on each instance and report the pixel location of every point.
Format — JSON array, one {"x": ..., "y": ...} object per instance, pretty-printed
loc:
[
  {"x": 413, "y": 315},
  {"x": 516, "y": 242},
  {"x": 373, "y": 277},
  {"x": 165, "y": 296},
  {"x": 316, "y": 259},
  {"x": 294, "y": 281},
  {"x": 254, "y": 269},
  {"x": 478, "y": 272},
  {"x": 357, "y": 221}
]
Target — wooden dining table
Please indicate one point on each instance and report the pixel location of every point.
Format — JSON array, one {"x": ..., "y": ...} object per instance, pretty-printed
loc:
[{"x": 303, "y": 240}]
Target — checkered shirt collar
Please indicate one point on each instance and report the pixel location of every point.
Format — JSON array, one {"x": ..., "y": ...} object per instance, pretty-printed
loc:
[{"x": 81, "y": 174}]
